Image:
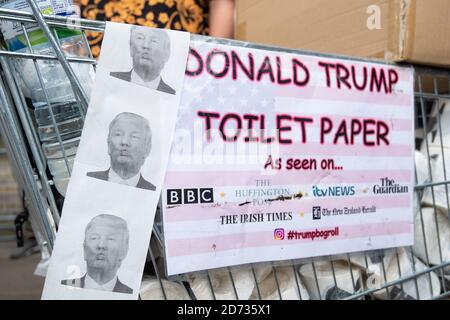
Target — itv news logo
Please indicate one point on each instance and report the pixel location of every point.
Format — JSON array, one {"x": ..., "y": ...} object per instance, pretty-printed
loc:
[{"x": 190, "y": 196}]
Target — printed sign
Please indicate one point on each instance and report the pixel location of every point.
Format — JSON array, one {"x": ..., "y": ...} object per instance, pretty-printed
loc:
[{"x": 279, "y": 155}]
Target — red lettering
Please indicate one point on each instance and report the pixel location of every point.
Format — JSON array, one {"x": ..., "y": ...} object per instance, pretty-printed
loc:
[
  {"x": 327, "y": 67},
  {"x": 194, "y": 55},
  {"x": 265, "y": 68},
  {"x": 326, "y": 125},
  {"x": 208, "y": 125},
  {"x": 281, "y": 128},
  {"x": 223, "y": 123}
]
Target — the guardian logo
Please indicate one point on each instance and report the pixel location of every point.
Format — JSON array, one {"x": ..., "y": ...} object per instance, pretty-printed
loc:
[
  {"x": 190, "y": 196},
  {"x": 389, "y": 186}
]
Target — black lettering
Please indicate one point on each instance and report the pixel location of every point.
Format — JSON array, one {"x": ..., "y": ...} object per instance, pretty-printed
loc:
[
  {"x": 250, "y": 118},
  {"x": 341, "y": 132},
  {"x": 208, "y": 125},
  {"x": 368, "y": 132},
  {"x": 298, "y": 64},
  {"x": 249, "y": 71},
  {"x": 354, "y": 130},
  {"x": 393, "y": 79},
  {"x": 226, "y": 64},
  {"x": 382, "y": 132},
  {"x": 238, "y": 127},
  {"x": 265, "y": 67},
  {"x": 280, "y": 129},
  {"x": 198, "y": 57},
  {"x": 327, "y": 67},
  {"x": 302, "y": 122},
  {"x": 279, "y": 76},
  {"x": 378, "y": 81},
  {"x": 263, "y": 130},
  {"x": 355, "y": 83},
  {"x": 323, "y": 131},
  {"x": 342, "y": 75}
]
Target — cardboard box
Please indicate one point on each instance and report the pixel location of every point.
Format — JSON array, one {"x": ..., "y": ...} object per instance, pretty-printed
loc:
[{"x": 416, "y": 31}]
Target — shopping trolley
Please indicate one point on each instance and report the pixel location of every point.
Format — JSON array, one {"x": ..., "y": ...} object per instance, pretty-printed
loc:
[{"x": 425, "y": 278}]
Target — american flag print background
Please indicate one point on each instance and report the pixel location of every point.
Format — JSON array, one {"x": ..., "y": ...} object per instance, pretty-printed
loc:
[{"x": 249, "y": 202}]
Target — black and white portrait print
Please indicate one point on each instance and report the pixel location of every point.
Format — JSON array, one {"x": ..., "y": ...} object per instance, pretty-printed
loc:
[
  {"x": 129, "y": 144},
  {"x": 149, "y": 51},
  {"x": 105, "y": 246},
  {"x": 120, "y": 165}
]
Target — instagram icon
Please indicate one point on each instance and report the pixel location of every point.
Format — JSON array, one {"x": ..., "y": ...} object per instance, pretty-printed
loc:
[{"x": 278, "y": 234}]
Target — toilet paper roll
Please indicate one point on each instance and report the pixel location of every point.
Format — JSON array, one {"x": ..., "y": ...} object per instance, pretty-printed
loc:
[
  {"x": 407, "y": 289},
  {"x": 329, "y": 290},
  {"x": 430, "y": 217},
  {"x": 441, "y": 192},
  {"x": 151, "y": 290},
  {"x": 262, "y": 270},
  {"x": 282, "y": 278},
  {"x": 243, "y": 279}
]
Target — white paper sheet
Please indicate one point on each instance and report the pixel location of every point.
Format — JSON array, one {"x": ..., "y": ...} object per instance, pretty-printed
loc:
[{"x": 119, "y": 170}]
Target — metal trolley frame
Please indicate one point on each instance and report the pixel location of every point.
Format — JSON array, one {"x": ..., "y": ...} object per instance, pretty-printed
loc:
[{"x": 27, "y": 157}]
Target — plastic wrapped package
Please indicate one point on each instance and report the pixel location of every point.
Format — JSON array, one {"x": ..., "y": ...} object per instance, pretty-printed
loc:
[
  {"x": 54, "y": 150},
  {"x": 68, "y": 129},
  {"x": 56, "y": 82},
  {"x": 57, "y": 164},
  {"x": 48, "y": 86}
]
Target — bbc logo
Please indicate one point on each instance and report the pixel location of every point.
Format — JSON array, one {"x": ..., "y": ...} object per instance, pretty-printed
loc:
[
  {"x": 190, "y": 196},
  {"x": 316, "y": 213}
]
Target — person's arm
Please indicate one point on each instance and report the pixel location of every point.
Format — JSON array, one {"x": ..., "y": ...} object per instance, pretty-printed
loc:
[{"x": 221, "y": 18}]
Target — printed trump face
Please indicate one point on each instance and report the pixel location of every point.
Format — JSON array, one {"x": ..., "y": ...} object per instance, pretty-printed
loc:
[
  {"x": 129, "y": 144},
  {"x": 150, "y": 50},
  {"x": 105, "y": 244}
]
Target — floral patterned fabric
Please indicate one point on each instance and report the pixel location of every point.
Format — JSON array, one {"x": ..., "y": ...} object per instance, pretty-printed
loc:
[{"x": 187, "y": 15}]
